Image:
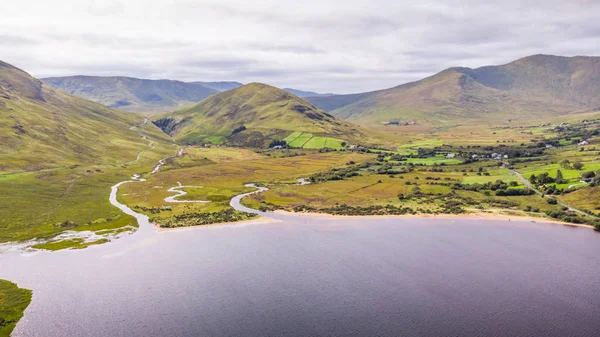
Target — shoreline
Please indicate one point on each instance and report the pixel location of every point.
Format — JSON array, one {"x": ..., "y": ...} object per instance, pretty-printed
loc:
[
  {"x": 256, "y": 221},
  {"x": 482, "y": 216}
]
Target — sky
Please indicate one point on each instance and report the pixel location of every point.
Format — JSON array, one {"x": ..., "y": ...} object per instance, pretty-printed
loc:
[{"x": 325, "y": 46}]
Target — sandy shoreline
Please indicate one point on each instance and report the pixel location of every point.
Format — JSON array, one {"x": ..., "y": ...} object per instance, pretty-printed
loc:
[{"x": 482, "y": 216}]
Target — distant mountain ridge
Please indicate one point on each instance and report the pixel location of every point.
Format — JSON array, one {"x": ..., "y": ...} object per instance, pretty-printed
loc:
[
  {"x": 538, "y": 86},
  {"x": 303, "y": 93},
  {"x": 220, "y": 86},
  {"x": 133, "y": 94},
  {"x": 147, "y": 96}
]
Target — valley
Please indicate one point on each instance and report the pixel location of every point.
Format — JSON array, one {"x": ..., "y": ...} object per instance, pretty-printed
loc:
[
  {"x": 75, "y": 174},
  {"x": 260, "y": 134}
]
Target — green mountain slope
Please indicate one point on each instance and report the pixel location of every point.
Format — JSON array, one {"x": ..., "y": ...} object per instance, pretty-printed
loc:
[
  {"x": 133, "y": 94},
  {"x": 42, "y": 127},
  {"x": 253, "y": 115},
  {"x": 529, "y": 89}
]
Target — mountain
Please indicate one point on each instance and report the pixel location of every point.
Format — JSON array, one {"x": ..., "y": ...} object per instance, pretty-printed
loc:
[
  {"x": 303, "y": 94},
  {"x": 42, "y": 127},
  {"x": 253, "y": 115},
  {"x": 532, "y": 88},
  {"x": 133, "y": 94},
  {"x": 220, "y": 86}
]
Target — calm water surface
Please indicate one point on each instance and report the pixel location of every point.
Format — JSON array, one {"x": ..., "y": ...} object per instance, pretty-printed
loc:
[{"x": 320, "y": 277}]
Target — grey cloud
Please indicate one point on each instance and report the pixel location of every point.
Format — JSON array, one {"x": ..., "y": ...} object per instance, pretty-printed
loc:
[
  {"x": 294, "y": 49},
  {"x": 321, "y": 45},
  {"x": 219, "y": 63},
  {"x": 8, "y": 40}
]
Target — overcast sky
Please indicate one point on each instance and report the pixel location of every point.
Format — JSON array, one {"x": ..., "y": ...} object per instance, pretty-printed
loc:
[{"x": 337, "y": 46}]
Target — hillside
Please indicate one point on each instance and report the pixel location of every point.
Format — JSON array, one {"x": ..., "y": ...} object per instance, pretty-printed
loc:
[
  {"x": 133, "y": 94},
  {"x": 529, "y": 89},
  {"x": 253, "y": 115},
  {"x": 41, "y": 127}
]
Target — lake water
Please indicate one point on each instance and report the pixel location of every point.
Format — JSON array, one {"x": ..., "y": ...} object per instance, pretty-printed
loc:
[{"x": 320, "y": 277}]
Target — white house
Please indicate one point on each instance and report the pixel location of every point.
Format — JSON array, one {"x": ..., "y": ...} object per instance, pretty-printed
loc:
[
  {"x": 585, "y": 142},
  {"x": 450, "y": 155}
]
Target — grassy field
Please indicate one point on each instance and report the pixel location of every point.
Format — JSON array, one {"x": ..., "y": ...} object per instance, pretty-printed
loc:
[
  {"x": 434, "y": 161},
  {"x": 307, "y": 140},
  {"x": 43, "y": 203},
  {"x": 426, "y": 181},
  {"x": 220, "y": 181},
  {"x": 13, "y": 301}
]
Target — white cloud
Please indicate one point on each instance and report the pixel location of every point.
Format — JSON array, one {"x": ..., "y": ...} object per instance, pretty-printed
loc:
[{"x": 324, "y": 45}]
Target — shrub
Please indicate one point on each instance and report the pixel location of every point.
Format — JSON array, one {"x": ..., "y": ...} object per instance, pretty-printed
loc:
[{"x": 552, "y": 201}]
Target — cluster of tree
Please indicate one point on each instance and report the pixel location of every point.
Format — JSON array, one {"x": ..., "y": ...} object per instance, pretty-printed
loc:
[
  {"x": 153, "y": 210},
  {"x": 368, "y": 210},
  {"x": 543, "y": 178},
  {"x": 514, "y": 192},
  {"x": 572, "y": 217},
  {"x": 553, "y": 190},
  {"x": 335, "y": 174},
  {"x": 204, "y": 218},
  {"x": 274, "y": 143},
  {"x": 531, "y": 209},
  {"x": 595, "y": 176},
  {"x": 453, "y": 207},
  {"x": 566, "y": 164},
  {"x": 492, "y": 186},
  {"x": 390, "y": 169}
]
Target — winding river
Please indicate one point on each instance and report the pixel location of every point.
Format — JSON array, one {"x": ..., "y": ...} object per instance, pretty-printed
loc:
[{"x": 318, "y": 276}]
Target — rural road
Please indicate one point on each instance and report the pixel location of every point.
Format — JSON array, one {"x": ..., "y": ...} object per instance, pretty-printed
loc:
[{"x": 528, "y": 184}]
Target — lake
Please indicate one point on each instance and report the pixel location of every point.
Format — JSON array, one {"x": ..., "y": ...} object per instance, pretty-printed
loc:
[{"x": 318, "y": 276}]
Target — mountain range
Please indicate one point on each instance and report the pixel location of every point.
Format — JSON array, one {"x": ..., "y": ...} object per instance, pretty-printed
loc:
[
  {"x": 42, "y": 127},
  {"x": 146, "y": 96},
  {"x": 303, "y": 93},
  {"x": 532, "y": 88},
  {"x": 134, "y": 94}
]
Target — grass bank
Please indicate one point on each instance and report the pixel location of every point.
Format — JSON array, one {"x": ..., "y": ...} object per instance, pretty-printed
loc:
[{"x": 13, "y": 301}]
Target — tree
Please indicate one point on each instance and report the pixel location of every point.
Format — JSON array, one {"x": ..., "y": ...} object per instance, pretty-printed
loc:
[
  {"x": 566, "y": 164},
  {"x": 552, "y": 201},
  {"x": 533, "y": 179},
  {"x": 588, "y": 175},
  {"x": 559, "y": 177},
  {"x": 577, "y": 165}
]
